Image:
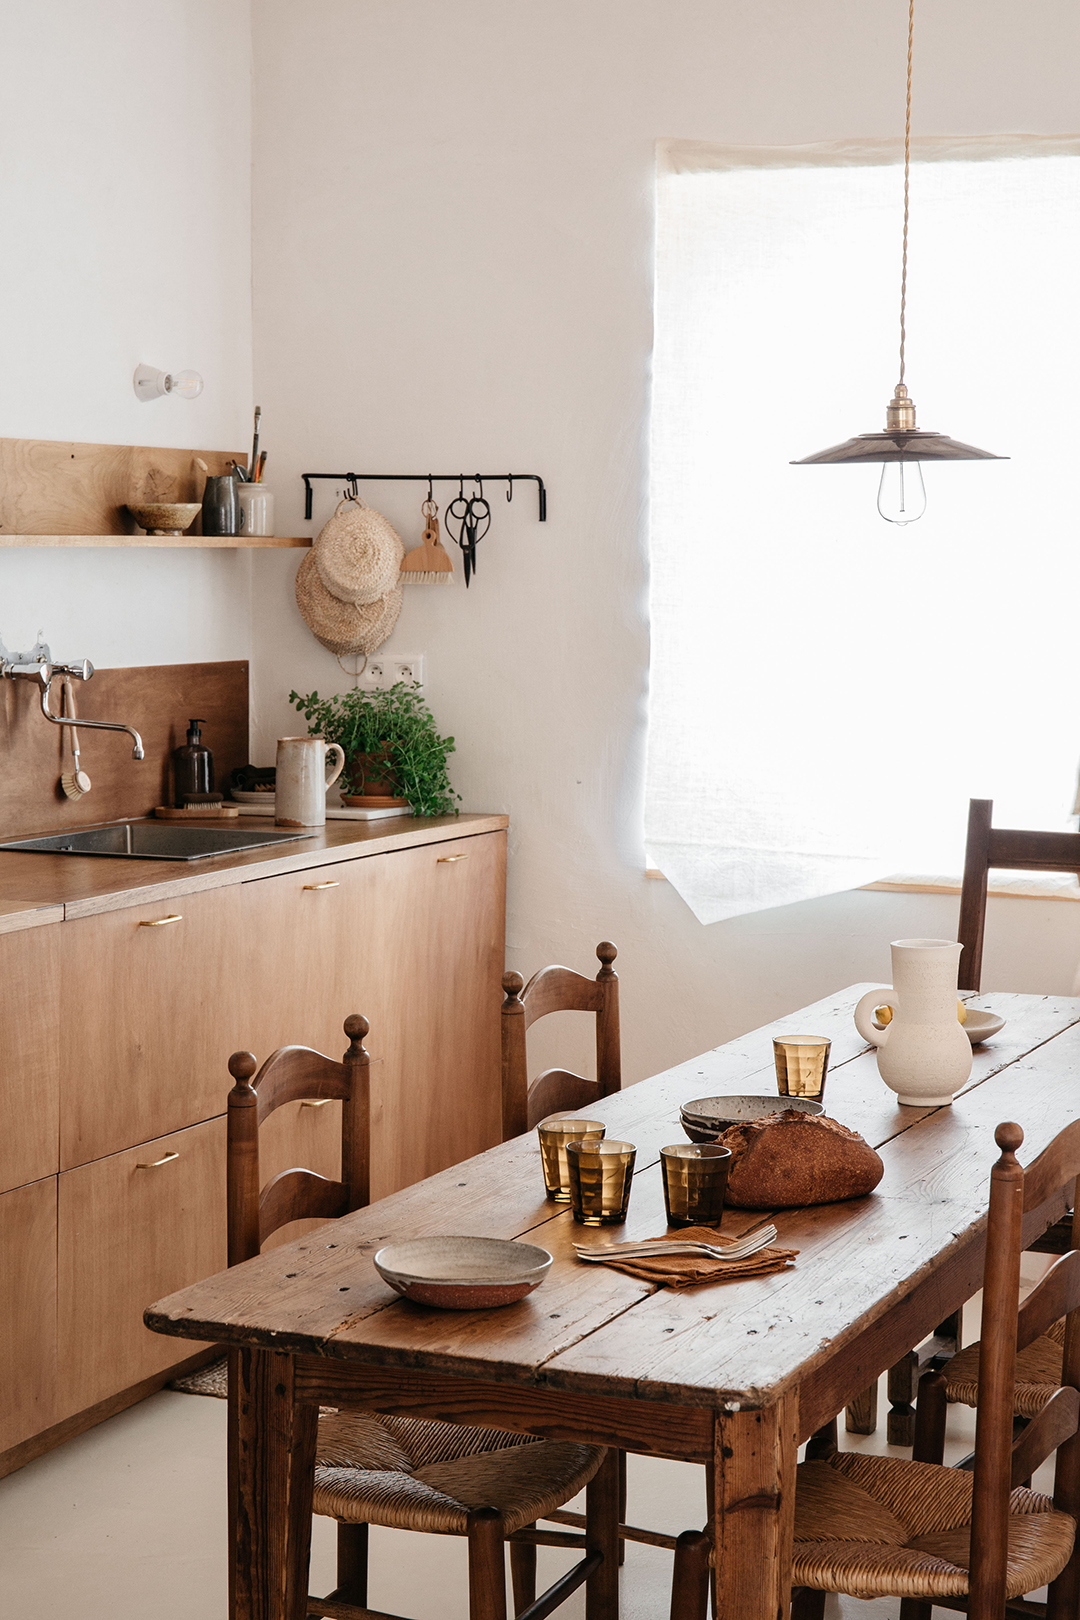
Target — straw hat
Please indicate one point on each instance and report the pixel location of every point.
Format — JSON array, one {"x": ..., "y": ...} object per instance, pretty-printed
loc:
[
  {"x": 358, "y": 554},
  {"x": 342, "y": 627}
]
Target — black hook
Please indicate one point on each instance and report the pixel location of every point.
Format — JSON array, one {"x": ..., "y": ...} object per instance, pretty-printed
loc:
[
  {"x": 510, "y": 491},
  {"x": 430, "y": 491}
]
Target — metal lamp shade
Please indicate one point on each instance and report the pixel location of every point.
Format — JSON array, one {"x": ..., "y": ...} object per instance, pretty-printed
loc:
[{"x": 911, "y": 444}]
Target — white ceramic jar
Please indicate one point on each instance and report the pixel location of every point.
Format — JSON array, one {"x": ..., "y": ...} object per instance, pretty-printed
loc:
[{"x": 923, "y": 1053}]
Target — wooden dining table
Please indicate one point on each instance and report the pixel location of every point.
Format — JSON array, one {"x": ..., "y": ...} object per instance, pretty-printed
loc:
[{"x": 732, "y": 1375}]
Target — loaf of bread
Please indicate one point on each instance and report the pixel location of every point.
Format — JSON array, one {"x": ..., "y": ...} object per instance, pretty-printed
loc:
[{"x": 788, "y": 1160}]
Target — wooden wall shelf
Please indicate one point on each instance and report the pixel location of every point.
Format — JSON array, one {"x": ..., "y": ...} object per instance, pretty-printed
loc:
[
  {"x": 54, "y": 493},
  {"x": 221, "y": 541}
]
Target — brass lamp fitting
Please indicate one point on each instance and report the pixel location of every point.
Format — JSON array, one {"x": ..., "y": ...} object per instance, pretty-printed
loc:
[{"x": 900, "y": 412}]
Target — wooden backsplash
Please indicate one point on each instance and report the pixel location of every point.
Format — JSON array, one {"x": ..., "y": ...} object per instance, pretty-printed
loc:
[{"x": 157, "y": 700}]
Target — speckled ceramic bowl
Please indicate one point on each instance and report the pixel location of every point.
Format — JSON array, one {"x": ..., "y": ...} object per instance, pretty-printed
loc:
[
  {"x": 165, "y": 517},
  {"x": 706, "y": 1118},
  {"x": 462, "y": 1273}
]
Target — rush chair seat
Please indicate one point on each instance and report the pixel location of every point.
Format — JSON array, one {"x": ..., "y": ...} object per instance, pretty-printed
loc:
[
  {"x": 875, "y": 1526},
  {"x": 411, "y": 1473}
]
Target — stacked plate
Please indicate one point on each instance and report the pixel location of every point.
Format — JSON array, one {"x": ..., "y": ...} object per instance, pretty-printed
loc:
[
  {"x": 708, "y": 1117},
  {"x": 462, "y": 1273}
]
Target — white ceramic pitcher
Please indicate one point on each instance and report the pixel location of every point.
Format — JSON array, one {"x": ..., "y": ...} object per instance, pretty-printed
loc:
[
  {"x": 302, "y": 780},
  {"x": 923, "y": 1053}
]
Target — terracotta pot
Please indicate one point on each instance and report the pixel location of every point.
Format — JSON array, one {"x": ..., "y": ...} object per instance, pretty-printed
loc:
[{"x": 367, "y": 775}]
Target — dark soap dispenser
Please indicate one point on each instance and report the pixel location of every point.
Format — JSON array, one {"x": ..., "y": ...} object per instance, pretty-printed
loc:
[{"x": 193, "y": 767}]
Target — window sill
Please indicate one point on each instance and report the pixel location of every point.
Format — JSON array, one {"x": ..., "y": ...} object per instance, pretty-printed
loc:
[{"x": 1022, "y": 886}]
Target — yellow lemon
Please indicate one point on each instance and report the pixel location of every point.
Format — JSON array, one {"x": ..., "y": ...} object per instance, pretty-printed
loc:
[
  {"x": 882, "y": 1016},
  {"x": 961, "y": 1012}
]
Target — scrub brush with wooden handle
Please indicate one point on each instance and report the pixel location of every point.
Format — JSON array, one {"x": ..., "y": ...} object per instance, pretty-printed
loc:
[
  {"x": 74, "y": 782},
  {"x": 429, "y": 563}
]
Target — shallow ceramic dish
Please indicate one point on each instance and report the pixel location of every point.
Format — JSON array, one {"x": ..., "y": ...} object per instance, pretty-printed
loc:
[
  {"x": 707, "y": 1117},
  {"x": 462, "y": 1273},
  {"x": 979, "y": 1026},
  {"x": 242, "y": 797},
  {"x": 165, "y": 517}
]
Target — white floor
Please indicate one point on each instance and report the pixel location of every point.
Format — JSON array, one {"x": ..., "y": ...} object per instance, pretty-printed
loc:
[{"x": 127, "y": 1522}]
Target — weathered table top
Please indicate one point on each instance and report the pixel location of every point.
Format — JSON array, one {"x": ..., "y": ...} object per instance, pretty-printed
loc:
[{"x": 593, "y": 1331}]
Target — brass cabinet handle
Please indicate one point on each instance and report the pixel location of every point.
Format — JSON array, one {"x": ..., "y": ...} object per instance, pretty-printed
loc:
[
  {"x": 162, "y": 922},
  {"x": 331, "y": 883},
  {"x": 310, "y": 1102},
  {"x": 440, "y": 859},
  {"x": 168, "y": 1159}
]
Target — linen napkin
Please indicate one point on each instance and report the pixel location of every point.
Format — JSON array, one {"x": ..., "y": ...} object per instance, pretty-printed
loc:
[{"x": 693, "y": 1270}]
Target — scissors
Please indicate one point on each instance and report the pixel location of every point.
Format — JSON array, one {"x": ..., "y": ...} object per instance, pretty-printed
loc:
[{"x": 468, "y": 521}]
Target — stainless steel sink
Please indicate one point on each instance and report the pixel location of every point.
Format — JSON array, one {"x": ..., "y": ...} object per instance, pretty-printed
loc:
[{"x": 155, "y": 841}]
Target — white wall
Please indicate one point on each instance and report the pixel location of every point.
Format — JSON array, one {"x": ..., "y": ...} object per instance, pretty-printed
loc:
[
  {"x": 452, "y": 241},
  {"x": 125, "y": 133}
]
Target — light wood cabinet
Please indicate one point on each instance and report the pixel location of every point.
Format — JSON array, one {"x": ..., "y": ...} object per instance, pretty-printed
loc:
[
  {"x": 150, "y": 1001},
  {"x": 115, "y": 1034},
  {"x": 27, "y": 1311},
  {"x": 131, "y": 1227},
  {"x": 29, "y": 1055}
]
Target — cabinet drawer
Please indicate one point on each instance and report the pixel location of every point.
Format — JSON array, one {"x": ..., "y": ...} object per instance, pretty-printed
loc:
[
  {"x": 27, "y": 1311},
  {"x": 151, "y": 1007},
  {"x": 30, "y": 1043},
  {"x": 127, "y": 1236}
]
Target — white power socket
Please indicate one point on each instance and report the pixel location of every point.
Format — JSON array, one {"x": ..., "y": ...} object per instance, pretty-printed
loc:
[{"x": 381, "y": 671}]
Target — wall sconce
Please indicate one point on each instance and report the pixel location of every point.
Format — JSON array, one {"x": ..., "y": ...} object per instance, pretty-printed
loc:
[{"x": 152, "y": 384}]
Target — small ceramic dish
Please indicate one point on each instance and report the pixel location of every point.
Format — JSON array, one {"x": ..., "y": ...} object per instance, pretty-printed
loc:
[
  {"x": 708, "y": 1117},
  {"x": 251, "y": 798},
  {"x": 462, "y": 1273},
  {"x": 165, "y": 517},
  {"x": 979, "y": 1026}
]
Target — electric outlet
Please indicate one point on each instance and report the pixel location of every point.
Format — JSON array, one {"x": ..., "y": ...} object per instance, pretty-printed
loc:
[{"x": 405, "y": 667}]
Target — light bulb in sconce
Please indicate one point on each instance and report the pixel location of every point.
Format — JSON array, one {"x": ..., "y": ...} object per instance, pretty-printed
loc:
[
  {"x": 150, "y": 383},
  {"x": 901, "y": 496}
]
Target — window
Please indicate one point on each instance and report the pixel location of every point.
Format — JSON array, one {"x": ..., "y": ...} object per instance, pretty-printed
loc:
[{"x": 828, "y": 690}]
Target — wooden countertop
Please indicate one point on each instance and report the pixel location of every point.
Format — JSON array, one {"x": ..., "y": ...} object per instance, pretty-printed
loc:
[{"x": 39, "y": 888}]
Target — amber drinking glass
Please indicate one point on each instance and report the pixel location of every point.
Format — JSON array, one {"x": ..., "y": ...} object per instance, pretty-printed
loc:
[
  {"x": 695, "y": 1181},
  {"x": 801, "y": 1065},
  {"x": 600, "y": 1175},
  {"x": 554, "y": 1133}
]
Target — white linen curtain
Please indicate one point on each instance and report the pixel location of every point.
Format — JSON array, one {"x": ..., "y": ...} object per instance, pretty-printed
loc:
[{"x": 827, "y": 690}]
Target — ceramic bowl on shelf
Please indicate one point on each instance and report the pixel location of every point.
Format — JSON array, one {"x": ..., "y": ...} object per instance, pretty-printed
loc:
[
  {"x": 708, "y": 1117},
  {"x": 165, "y": 517},
  {"x": 979, "y": 1026},
  {"x": 462, "y": 1273}
]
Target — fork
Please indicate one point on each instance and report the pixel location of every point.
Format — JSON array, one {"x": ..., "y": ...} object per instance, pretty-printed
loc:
[{"x": 739, "y": 1250}]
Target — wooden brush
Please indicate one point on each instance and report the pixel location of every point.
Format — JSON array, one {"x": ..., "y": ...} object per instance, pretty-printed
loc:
[{"x": 429, "y": 563}]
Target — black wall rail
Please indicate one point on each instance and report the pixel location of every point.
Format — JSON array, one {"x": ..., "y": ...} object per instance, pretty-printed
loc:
[{"x": 461, "y": 479}]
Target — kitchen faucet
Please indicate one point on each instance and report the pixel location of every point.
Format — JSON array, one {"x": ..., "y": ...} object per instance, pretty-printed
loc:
[{"x": 37, "y": 665}]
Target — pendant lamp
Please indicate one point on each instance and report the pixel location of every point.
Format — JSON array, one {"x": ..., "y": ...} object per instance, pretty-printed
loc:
[{"x": 902, "y": 446}]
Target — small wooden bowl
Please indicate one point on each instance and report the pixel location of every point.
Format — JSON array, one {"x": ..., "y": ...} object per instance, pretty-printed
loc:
[{"x": 462, "y": 1273}]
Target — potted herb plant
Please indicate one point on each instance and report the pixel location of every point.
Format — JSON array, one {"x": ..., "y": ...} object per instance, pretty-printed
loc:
[{"x": 391, "y": 744}]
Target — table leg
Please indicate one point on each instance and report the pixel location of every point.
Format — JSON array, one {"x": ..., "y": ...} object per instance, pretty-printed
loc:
[
  {"x": 754, "y": 1510},
  {"x": 271, "y": 1483}
]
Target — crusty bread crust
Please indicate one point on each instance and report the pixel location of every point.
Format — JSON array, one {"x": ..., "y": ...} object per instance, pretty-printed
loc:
[{"x": 788, "y": 1160}]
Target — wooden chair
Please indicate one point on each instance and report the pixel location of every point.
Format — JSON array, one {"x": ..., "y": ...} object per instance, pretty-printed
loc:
[
  {"x": 557, "y": 989},
  {"x": 410, "y": 1473},
  {"x": 1002, "y": 848},
  {"x": 885, "y": 1527}
]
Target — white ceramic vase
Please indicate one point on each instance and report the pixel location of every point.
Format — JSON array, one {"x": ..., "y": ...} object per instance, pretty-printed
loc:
[
  {"x": 923, "y": 1053},
  {"x": 301, "y": 782}
]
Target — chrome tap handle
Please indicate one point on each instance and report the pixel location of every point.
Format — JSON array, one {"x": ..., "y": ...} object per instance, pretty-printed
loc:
[
  {"x": 79, "y": 672},
  {"x": 15, "y": 671}
]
